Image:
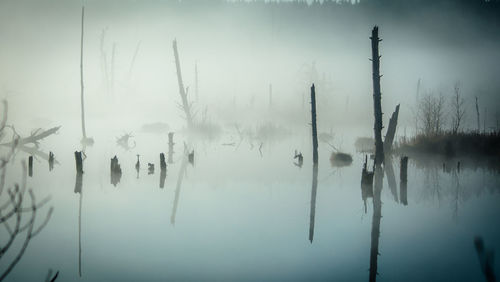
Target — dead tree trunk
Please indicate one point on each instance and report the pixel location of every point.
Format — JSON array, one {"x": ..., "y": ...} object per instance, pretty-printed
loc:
[
  {"x": 377, "y": 96},
  {"x": 81, "y": 78},
  {"x": 314, "y": 129},
  {"x": 403, "y": 174},
  {"x": 391, "y": 131},
  {"x": 478, "y": 120},
  {"x": 182, "y": 91},
  {"x": 79, "y": 162},
  {"x": 30, "y": 166}
]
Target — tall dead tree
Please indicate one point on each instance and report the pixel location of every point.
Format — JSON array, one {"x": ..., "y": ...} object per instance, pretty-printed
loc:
[
  {"x": 182, "y": 91},
  {"x": 377, "y": 96},
  {"x": 313, "y": 122},
  {"x": 391, "y": 131},
  {"x": 478, "y": 120},
  {"x": 81, "y": 78}
]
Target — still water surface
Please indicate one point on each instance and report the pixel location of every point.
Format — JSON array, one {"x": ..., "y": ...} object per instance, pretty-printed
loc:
[{"x": 239, "y": 214}]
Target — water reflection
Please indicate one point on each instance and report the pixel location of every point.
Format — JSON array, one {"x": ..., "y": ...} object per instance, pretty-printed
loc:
[
  {"x": 391, "y": 178},
  {"x": 180, "y": 177},
  {"x": 314, "y": 189},
  {"x": 79, "y": 190},
  {"x": 377, "y": 215}
]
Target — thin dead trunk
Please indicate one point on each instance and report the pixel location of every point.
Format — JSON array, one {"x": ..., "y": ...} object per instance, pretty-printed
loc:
[
  {"x": 313, "y": 122},
  {"x": 391, "y": 131},
  {"x": 81, "y": 78},
  {"x": 377, "y": 96},
  {"x": 182, "y": 90}
]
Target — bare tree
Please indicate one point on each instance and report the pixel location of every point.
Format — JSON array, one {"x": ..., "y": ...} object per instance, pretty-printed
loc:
[
  {"x": 431, "y": 114},
  {"x": 13, "y": 209},
  {"x": 458, "y": 109}
]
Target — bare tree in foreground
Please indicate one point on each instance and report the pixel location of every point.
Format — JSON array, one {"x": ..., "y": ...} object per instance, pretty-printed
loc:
[{"x": 18, "y": 212}]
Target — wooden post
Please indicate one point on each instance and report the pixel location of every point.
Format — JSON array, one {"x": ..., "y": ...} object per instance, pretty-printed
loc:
[
  {"x": 182, "y": 91},
  {"x": 314, "y": 129},
  {"x": 377, "y": 96},
  {"x": 30, "y": 166},
  {"x": 391, "y": 131},
  {"x": 79, "y": 162}
]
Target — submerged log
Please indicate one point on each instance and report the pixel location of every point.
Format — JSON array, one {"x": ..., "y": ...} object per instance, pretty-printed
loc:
[
  {"x": 313, "y": 123},
  {"x": 391, "y": 131},
  {"x": 377, "y": 96}
]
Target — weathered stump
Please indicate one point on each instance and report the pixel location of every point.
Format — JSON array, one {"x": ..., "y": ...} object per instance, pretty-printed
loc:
[
  {"x": 79, "y": 162},
  {"x": 51, "y": 161},
  {"x": 30, "y": 166}
]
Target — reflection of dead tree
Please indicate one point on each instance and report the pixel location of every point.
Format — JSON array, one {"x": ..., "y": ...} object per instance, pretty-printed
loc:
[
  {"x": 391, "y": 178},
  {"x": 178, "y": 187},
  {"x": 312, "y": 214},
  {"x": 485, "y": 259},
  {"x": 12, "y": 211},
  {"x": 377, "y": 216},
  {"x": 182, "y": 91}
]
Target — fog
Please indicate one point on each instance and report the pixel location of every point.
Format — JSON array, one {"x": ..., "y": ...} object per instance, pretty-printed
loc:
[
  {"x": 233, "y": 196},
  {"x": 239, "y": 51}
]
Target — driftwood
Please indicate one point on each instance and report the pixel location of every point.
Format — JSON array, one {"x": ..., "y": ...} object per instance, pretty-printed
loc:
[
  {"x": 34, "y": 137},
  {"x": 313, "y": 123},
  {"x": 377, "y": 96}
]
